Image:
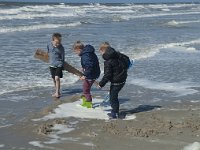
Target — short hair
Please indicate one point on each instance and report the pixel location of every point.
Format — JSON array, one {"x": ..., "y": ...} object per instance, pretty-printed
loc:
[
  {"x": 78, "y": 44},
  {"x": 57, "y": 36},
  {"x": 104, "y": 45}
]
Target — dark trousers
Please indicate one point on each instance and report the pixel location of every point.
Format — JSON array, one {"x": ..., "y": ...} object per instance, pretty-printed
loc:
[
  {"x": 114, "y": 91},
  {"x": 87, "y": 84}
]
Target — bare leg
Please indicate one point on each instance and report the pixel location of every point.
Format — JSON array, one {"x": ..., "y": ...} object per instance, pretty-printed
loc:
[
  {"x": 54, "y": 82},
  {"x": 57, "y": 79}
]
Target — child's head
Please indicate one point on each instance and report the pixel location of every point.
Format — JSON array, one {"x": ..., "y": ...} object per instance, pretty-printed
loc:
[
  {"x": 103, "y": 47},
  {"x": 56, "y": 39},
  {"x": 77, "y": 47}
]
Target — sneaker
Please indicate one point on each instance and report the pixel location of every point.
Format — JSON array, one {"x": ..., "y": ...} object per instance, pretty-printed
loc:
[{"x": 113, "y": 115}]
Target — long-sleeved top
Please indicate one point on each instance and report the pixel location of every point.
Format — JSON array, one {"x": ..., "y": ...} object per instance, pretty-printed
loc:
[
  {"x": 90, "y": 62},
  {"x": 114, "y": 70},
  {"x": 56, "y": 55}
]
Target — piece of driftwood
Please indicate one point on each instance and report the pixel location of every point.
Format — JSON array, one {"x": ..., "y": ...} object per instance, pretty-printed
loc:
[{"x": 42, "y": 55}]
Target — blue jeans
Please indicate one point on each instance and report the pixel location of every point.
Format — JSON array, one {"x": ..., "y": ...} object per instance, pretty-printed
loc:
[{"x": 114, "y": 91}]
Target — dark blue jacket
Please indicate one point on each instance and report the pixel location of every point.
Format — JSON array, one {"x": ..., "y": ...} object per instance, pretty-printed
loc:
[{"x": 90, "y": 62}]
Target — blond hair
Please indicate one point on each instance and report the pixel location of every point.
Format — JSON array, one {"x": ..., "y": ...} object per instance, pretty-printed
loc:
[
  {"x": 78, "y": 45},
  {"x": 104, "y": 46}
]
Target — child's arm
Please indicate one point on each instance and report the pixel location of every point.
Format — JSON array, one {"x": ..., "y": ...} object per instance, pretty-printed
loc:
[
  {"x": 107, "y": 75},
  {"x": 87, "y": 65},
  {"x": 63, "y": 55},
  {"x": 48, "y": 46}
]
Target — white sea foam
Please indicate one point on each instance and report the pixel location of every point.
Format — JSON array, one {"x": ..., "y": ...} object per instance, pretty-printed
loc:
[
  {"x": 128, "y": 17},
  {"x": 165, "y": 6},
  {"x": 29, "y": 8},
  {"x": 31, "y": 81},
  {"x": 37, "y": 143},
  {"x": 76, "y": 110},
  {"x": 73, "y": 24},
  {"x": 188, "y": 22},
  {"x": 57, "y": 130},
  {"x": 194, "y": 101},
  {"x": 4, "y": 126},
  {"x": 144, "y": 53},
  {"x": 2, "y": 145},
  {"x": 61, "y": 129},
  {"x": 174, "y": 23},
  {"x": 33, "y": 16},
  {"x": 89, "y": 144},
  {"x": 127, "y": 12},
  {"x": 40, "y": 145},
  {"x": 193, "y": 146},
  {"x": 180, "y": 88}
]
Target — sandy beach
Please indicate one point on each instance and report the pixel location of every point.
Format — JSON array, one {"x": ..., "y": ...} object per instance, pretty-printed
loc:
[{"x": 174, "y": 127}]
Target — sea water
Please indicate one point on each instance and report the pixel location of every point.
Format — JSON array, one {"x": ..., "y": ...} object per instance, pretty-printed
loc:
[{"x": 163, "y": 39}]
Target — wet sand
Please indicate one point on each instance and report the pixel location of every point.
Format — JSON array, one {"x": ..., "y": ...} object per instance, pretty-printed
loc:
[{"x": 165, "y": 127}]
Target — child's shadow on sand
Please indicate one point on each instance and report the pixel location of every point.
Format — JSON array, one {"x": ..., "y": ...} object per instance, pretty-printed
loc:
[
  {"x": 140, "y": 108},
  {"x": 125, "y": 112}
]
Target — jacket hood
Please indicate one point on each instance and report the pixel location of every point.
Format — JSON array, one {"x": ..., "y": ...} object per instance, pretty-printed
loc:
[
  {"x": 87, "y": 49},
  {"x": 110, "y": 53}
]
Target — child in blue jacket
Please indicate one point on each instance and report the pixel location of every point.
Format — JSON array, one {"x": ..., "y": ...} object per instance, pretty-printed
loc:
[{"x": 91, "y": 70}]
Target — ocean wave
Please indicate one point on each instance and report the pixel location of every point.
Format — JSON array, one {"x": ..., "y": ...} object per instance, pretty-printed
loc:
[
  {"x": 169, "y": 6},
  {"x": 127, "y": 12},
  {"x": 144, "y": 53},
  {"x": 128, "y": 17},
  {"x": 33, "y": 16},
  {"x": 174, "y": 23},
  {"x": 37, "y": 27},
  {"x": 32, "y": 81},
  {"x": 73, "y": 24},
  {"x": 29, "y": 8}
]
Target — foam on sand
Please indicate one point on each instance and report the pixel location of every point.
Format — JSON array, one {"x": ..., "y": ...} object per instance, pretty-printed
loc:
[
  {"x": 181, "y": 88},
  {"x": 193, "y": 146},
  {"x": 38, "y": 144},
  {"x": 62, "y": 128},
  {"x": 76, "y": 110},
  {"x": 4, "y": 126}
]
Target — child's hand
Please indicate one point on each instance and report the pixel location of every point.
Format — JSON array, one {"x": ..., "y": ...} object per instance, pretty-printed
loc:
[
  {"x": 82, "y": 69},
  {"x": 82, "y": 78},
  {"x": 98, "y": 86}
]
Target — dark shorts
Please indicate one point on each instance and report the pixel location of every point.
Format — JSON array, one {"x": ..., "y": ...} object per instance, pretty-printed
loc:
[{"x": 56, "y": 72}]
